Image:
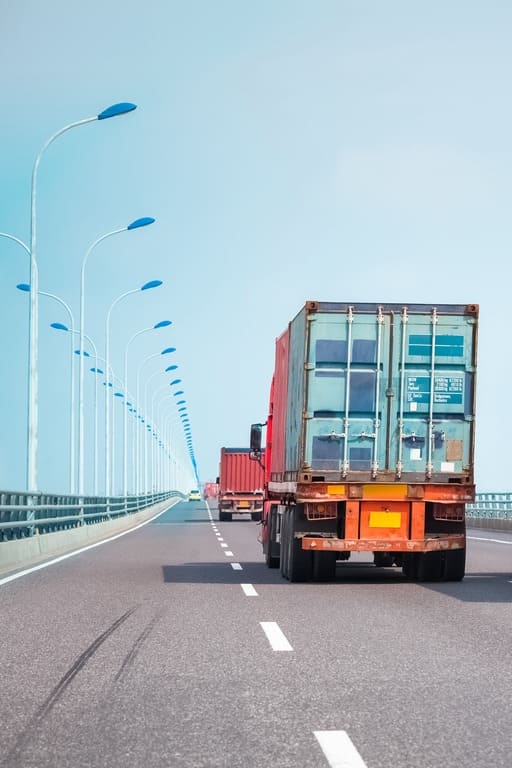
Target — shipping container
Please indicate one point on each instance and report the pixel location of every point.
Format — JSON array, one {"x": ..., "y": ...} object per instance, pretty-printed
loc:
[
  {"x": 240, "y": 484},
  {"x": 211, "y": 490},
  {"x": 372, "y": 420}
]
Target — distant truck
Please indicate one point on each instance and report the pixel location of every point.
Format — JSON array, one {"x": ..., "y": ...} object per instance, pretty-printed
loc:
[
  {"x": 240, "y": 484},
  {"x": 370, "y": 439},
  {"x": 211, "y": 490}
]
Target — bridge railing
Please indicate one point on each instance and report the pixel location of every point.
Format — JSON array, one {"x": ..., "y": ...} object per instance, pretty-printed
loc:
[
  {"x": 24, "y": 514},
  {"x": 491, "y": 506}
]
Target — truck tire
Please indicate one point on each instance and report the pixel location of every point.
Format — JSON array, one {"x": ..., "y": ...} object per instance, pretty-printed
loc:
[
  {"x": 271, "y": 560},
  {"x": 300, "y": 562},
  {"x": 256, "y": 516},
  {"x": 382, "y": 559},
  {"x": 284, "y": 545},
  {"x": 324, "y": 566},
  {"x": 225, "y": 517},
  {"x": 454, "y": 565},
  {"x": 430, "y": 566},
  {"x": 410, "y": 565}
]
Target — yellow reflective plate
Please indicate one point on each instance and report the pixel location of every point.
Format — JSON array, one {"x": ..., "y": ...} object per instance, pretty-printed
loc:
[
  {"x": 389, "y": 491},
  {"x": 385, "y": 520},
  {"x": 243, "y": 504},
  {"x": 336, "y": 490}
]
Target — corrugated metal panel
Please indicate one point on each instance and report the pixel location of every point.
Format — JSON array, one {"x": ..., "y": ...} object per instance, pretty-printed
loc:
[
  {"x": 296, "y": 359},
  {"x": 238, "y": 472},
  {"x": 389, "y": 388},
  {"x": 280, "y": 398}
]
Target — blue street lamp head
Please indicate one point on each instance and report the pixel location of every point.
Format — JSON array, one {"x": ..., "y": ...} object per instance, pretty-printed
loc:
[
  {"x": 151, "y": 284},
  {"x": 176, "y": 381},
  {"x": 162, "y": 324},
  {"x": 84, "y": 353},
  {"x": 96, "y": 370},
  {"x": 59, "y": 326},
  {"x": 144, "y": 222},
  {"x": 181, "y": 402},
  {"x": 118, "y": 394},
  {"x": 116, "y": 109},
  {"x": 179, "y": 392},
  {"x": 167, "y": 350},
  {"x": 171, "y": 368},
  {"x": 23, "y": 287},
  {"x": 182, "y": 408}
]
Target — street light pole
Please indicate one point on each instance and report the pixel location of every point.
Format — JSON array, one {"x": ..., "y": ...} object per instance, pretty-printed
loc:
[
  {"x": 145, "y": 287},
  {"x": 33, "y": 373},
  {"x": 143, "y": 222}
]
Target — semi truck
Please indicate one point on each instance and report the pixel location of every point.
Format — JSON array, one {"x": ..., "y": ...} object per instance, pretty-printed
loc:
[
  {"x": 240, "y": 484},
  {"x": 211, "y": 490},
  {"x": 370, "y": 439}
]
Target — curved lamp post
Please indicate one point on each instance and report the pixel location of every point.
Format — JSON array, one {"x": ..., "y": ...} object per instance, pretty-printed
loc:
[
  {"x": 161, "y": 324},
  {"x": 146, "y": 287},
  {"x": 72, "y": 445},
  {"x": 33, "y": 378},
  {"x": 137, "y": 224}
]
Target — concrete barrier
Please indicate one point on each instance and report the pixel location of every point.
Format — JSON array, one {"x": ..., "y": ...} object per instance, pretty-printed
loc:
[
  {"x": 489, "y": 524},
  {"x": 23, "y": 553}
]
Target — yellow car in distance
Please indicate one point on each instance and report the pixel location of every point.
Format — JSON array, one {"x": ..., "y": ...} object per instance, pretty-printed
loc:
[{"x": 194, "y": 496}]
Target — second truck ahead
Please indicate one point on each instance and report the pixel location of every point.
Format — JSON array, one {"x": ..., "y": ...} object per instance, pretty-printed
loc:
[
  {"x": 240, "y": 484},
  {"x": 370, "y": 439}
]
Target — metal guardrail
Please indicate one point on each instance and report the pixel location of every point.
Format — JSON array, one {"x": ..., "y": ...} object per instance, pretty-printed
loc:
[
  {"x": 491, "y": 506},
  {"x": 24, "y": 514}
]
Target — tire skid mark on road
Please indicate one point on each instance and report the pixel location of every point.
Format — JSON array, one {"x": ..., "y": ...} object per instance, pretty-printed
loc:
[
  {"x": 130, "y": 656},
  {"x": 57, "y": 692}
]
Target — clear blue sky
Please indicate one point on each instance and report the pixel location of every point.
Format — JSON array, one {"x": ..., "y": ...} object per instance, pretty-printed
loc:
[{"x": 347, "y": 150}]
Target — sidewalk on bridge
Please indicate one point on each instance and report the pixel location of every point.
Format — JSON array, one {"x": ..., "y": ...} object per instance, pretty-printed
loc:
[{"x": 25, "y": 553}]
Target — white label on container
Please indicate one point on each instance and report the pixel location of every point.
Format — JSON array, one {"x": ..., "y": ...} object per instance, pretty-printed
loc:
[
  {"x": 447, "y": 466},
  {"x": 415, "y": 454},
  {"x": 413, "y": 406}
]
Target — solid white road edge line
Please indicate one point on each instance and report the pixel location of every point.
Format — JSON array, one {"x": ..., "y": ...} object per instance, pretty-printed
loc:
[
  {"x": 249, "y": 590},
  {"x": 493, "y": 541},
  {"x": 236, "y": 566},
  {"x": 275, "y": 636},
  {"x": 339, "y": 750},
  {"x": 59, "y": 559}
]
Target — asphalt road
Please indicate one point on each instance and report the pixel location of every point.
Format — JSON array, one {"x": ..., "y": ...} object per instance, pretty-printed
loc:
[{"x": 164, "y": 648}]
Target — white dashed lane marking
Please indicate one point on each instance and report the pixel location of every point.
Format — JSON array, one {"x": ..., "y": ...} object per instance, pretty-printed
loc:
[
  {"x": 249, "y": 590},
  {"x": 339, "y": 750},
  {"x": 275, "y": 636},
  {"x": 228, "y": 553},
  {"x": 236, "y": 566}
]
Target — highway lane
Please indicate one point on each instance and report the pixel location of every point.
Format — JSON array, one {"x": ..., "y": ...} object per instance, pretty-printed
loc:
[{"x": 147, "y": 651}]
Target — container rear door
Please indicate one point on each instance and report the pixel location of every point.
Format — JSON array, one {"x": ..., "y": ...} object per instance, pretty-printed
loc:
[{"x": 390, "y": 391}]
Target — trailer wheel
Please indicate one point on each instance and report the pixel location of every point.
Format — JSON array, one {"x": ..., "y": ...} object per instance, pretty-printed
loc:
[
  {"x": 324, "y": 566},
  {"x": 300, "y": 562},
  {"x": 430, "y": 566},
  {"x": 271, "y": 560},
  {"x": 225, "y": 517},
  {"x": 454, "y": 565},
  {"x": 410, "y": 565},
  {"x": 382, "y": 559},
  {"x": 284, "y": 545}
]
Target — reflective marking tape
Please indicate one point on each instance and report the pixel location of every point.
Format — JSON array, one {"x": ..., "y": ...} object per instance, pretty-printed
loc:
[
  {"x": 249, "y": 590},
  {"x": 339, "y": 750},
  {"x": 236, "y": 566},
  {"x": 275, "y": 636}
]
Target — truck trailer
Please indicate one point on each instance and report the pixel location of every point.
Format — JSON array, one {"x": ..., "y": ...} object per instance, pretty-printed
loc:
[
  {"x": 240, "y": 484},
  {"x": 370, "y": 439}
]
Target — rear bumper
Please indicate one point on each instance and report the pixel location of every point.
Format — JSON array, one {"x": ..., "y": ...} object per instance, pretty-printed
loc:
[{"x": 428, "y": 544}]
